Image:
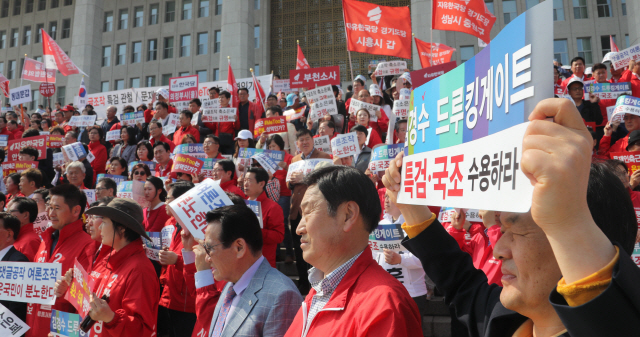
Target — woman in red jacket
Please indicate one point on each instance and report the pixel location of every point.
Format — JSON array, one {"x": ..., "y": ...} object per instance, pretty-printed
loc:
[
  {"x": 156, "y": 215},
  {"x": 363, "y": 118},
  {"x": 98, "y": 150}
]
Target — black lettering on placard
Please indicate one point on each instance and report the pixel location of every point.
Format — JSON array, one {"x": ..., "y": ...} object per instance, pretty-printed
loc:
[{"x": 397, "y": 273}]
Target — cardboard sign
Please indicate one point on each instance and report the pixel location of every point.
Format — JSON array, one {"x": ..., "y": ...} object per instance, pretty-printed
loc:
[
  {"x": 117, "y": 178},
  {"x": 47, "y": 89},
  {"x": 632, "y": 159},
  {"x": 132, "y": 118},
  {"x": 184, "y": 88},
  {"x": 190, "y": 209},
  {"x": 620, "y": 60},
  {"x": 20, "y": 95},
  {"x": 446, "y": 213},
  {"x": 390, "y": 68},
  {"x": 281, "y": 86},
  {"x": 382, "y": 154},
  {"x": 29, "y": 282},
  {"x": 313, "y": 77},
  {"x": 293, "y": 115},
  {"x": 37, "y": 142},
  {"x": 266, "y": 162},
  {"x": 10, "y": 324},
  {"x": 424, "y": 75},
  {"x": 17, "y": 167},
  {"x": 186, "y": 164},
  {"x": 78, "y": 292},
  {"x": 372, "y": 108},
  {"x": 322, "y": 143},
  {"x": 608, "y": 90},
  {"x": 322, "y": 102},
  {"x": 247, "y": 153},
  {"x": 83, "y": 121},
  {"x": 305, "y": 166},
  {"x": 210, "y": 103},
  {"x": 346, "y": 145},
  {"x": 113, "y": 135},
  {"x": 64, "y": 324},
  {"x": 150, "y": 164},
  {"x": 159, "y": 241},
  {"x": 270, "y": 125},
  {"x": 256, "y": 207},
  {"x": 219, "y": 115},
  {"x": 41, "y": 223},
  {"x": 386, "y": 236},
  {"x": 73, "y": 152}
]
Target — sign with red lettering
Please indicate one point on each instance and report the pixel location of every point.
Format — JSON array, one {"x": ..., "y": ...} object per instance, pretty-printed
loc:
[
  {"x": 270, "y": 125},
  {"x": 38, "y": 142},
  {"x": 17, "y": 166},
  {"x": 424, "y": 75},
  {"x": 186, "y": 164},
  {"x": 47, "y": 89},
  {"x": 184, "y": 88},
  {"x": 471, "y": 17},
  {"x": 632, "y": 159},
  {"x": 345, "y": 145},
  {"x": 79, "y": 290},
  {"x": 310, "y": 78}
]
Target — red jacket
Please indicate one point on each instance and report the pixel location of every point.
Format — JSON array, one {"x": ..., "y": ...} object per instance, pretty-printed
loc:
[
  {"x": 127, "y": 277},
  {"x": 163, "y": 139},
  {"x": 175, "y": 294},
  {"x": 99, "y": 164},
  {"x": 165, "y": 171},
  {"x": 480, "y": 247},
  {"x": 606, "y": 147},
  {"x": 272, "y": 227},
  {"x": 181, "y": 132},
  {"x": 255, "y": 113},
  {"x": 98, "y": 259},
  {"x": 155, "y": 219},
  {"x": 4, "y": 131},
  {"x": 374, "y": 138},
  {"x": 367, "y": 302},
  {"x": 628, "y": 76},
  {"x": 148, "y": 114},
  {"x": 281, "y": 175},
  {"x": 28, "y": 242},
  {"x": 17, "y": 133},
  {"x": 73, "y": 243},
  {"x": 206, "y": 300},
  {"x": 230, "y": 186}
]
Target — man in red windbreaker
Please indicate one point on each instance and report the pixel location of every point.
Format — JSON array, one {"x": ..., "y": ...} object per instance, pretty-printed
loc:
[
  {"x": 248, "y": 112},
  {"x": 578, "y": 68},
  {"x": 272, "y": 216},
  {"x": 186, "y": 128},
  {"x": 225, "y": 171},
  {"x": 156, "y": 135},
  {"x": 27, "y": 242},
  {"x": 341, "y": 209},
  {"x": 63, "y": 242}
]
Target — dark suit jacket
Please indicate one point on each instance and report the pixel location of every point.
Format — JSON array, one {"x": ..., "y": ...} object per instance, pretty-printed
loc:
[
  {"x": 591, "y": 112},
  {"x": 363, "y": 159},
  {"x": 18, "y": 308},
  {"x": 615, "y": 312}
]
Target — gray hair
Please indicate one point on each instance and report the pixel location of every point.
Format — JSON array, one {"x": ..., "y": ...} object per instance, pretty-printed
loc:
[{"x": 76, "y": 164}]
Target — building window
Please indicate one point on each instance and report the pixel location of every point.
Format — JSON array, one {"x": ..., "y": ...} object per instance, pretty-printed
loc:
[
  {"x": 168, "y": 48},
  {"x": 106, "y": 56},
  {"x": 1, "y": 67},
  {"x": 136, "y": 52},
  {"x": 203, "y": 39},
  {"x": 256, "y": 70},
  {"x": 152, "y": 54},
  {"x": 35, "y": 95},
  {"x": 39, "y": 28},
  {"x": 154, "y": 10},
  {"x": 12, "y": 69},
  {"x": 38, "y": 58},
  {"x": 68, "y": 2},
  {"x": 104, "y": 86},
  {"x": 584, "y": 49},
  {"x": 604, "y": 8},
  {"x": 202, "y": 76},
  {"x": 531, "y": 3},
  {"x": 151, "y": 81},
  {"x": 138, "y": 13},
  {"x": 580, "y": 9},
  {"x": 170, "y": 11},
  {"x": 165, "y": 79},
  {"x": 606, "y": 43},
  {"x": 185, "y": 45},
  {"x": 256, "y": 4},
  {"x": 26, "y": 36},
  {"x": 466, "y": 52},
  {"x": 186, "y": 9},
  {"x": 216, "y": 41},
  {"x": 61, "y": 93},
  {"x": 14, "y": 38},
  {"x": 118, "y": 84},
  {"x": 509, "y": 10},
  {"x": 203, "y": 9},
  {"x": 55, "y": 3},
  {"x": 53, "y": 29},
  {"x": 4, "y": 11},
  {"x": 624, "y": 7},
  {"x": 3, "y": 39},
  {"x": 122, "y": 54},
  {"x": 134, "y": 82},
  {"x": 29, "y": 7},
  {"x": 489, "y": 4},
  {"x": 558, "y": 10},
  {"x": 66, "y": 28},
  {"x": 561, "y": 51},
  {"x": 42, "y": 5},
  {"x": 184, "y": 73},
  {"x": 216, "y": 74},
  {"x": 218, "y": 7},
  {"x": 108, "y": 22},
  {"x": 256, "y": 37},
  {"x": 17, "y": 4},
  {"x": 123, "y": 22}
]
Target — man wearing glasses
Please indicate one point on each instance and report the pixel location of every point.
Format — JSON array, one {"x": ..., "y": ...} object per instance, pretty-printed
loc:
[
  {"x": 106, "y": 188},
  {"x": 155, "y": 131},
  {"x": 589, "y": 110}
]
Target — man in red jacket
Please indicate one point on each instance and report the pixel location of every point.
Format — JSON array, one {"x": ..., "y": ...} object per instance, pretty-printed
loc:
[
  {"x": 341, "y": 209},
  {"x": 225, "y": 171},
  {"x": 155, "y": 131},
  {"x": 63, "y": 242},
  {"x": 272, "y": 216},
  {"x": 26, "y": 210},
  {"x": 248, "y": 112},
  {"x": 186, "y": 128},
  {"x": 578, "y": 68}
]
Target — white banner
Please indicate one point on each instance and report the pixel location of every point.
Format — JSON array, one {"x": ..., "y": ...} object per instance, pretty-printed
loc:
[
  {"x": 83, "y": 121},
  {"x": 322, "y": 102},
  {"x": 113, "y": 135},
  {"x": 620, "y": 60},
  {"x": 281, "y": 86},
  {"x": 305, "y": 166},
  {"x": 20, "y": 95},
  {"x": 390, "y": 68},
  {"x": 401, "y": 108},
  {"x": 219, "y": 115},
  {"x": 345, "y": 145},
  {"x": 29, "y": 282}
]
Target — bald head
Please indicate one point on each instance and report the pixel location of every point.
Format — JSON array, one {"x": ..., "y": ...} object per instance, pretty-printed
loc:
[{"x": 111, "y": 112}]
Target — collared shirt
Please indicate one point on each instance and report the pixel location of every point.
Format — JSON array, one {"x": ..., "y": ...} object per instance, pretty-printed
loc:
[
  {"x": 310, "y": 154},
  {"x": 4, "y": 251},
  {"x": 325, "y": 286},
  {"x": 239, "y": 288}
]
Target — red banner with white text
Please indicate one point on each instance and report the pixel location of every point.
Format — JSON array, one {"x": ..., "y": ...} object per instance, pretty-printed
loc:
[
  {"x": 471, "y": 17},
  {"x": 35, "y": 71},
  {"x": 432, "y": 54}
]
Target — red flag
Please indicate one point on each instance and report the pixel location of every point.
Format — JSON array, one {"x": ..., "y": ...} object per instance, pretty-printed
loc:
[
  {"x": 432, "y": 54},
  {"x": 473, "y": 18},
  {"x": 614, "y": 47},
  {"x": 55, "y": 58},
  {"x": 260, "y": 96},
  {"x": 301, "y": 61},
  {"x": 379, "y": 30},
  {"x": 232, "y": 87},
  {"x": 35, "y": 71},
  {"x": 4, "y": 85}
]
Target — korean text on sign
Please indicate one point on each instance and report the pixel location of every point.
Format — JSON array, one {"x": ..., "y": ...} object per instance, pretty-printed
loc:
[
  {"x": 183, "y": 88},
  {"x": 386, "y": 236},
  {"x": 17, "y": 166},
  {"x": 28, "y": 282},
  {"x": 306, "y": 166},
  {"x": 256, "y": 207},
  {"x": 83, "y": 121},
  {"x": 632, "y": 159},
  {"x": 345, "y": 145},
  {"x": 270, "y": 125},
  {"x": 312, "y": 77},
  {"x": 20, "y": 95},
  {"x": 219, "y": 115},
  {"x": 373, "y": 109},
  {"x": 620, "y": 60},
  {"x": 608, "y": 90},
  {"x": 190, "y": 209},
  {"x": 390, "y": 68},
  {"x": 322, "y": 102},
  {"x": 266, "y": 162},
  {"x": 446, "y": 213},
  {"x": 246, "y": 153},
  {"x": 65, "y": 324},
  {"x": 186, "y": 164},
  {"x": 381, "y": 155},
  {"x": 79, "y": 290},
  {"x": 159, "y": 240},
  {"x": 322, "y": 143},
  {"x": 38, "y": 142},
  {"x": 10, "y": 324},
  {"x": 626, "y": 105},
  {"x": 133, "y": 118}
]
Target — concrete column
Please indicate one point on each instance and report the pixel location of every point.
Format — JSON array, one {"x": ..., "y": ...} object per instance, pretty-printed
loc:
[
  {"x": 633, "y": 21},
  {"x": 237, "y": 38},
  {"x": 421, "y": 27},
  {"x": 86, "y": 46}
]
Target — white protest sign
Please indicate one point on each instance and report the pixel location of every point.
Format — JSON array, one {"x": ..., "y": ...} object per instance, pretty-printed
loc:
[
  {"x": 182, "y": 105},
  {"x": 446, "y": 213},
  {"x": 41, "y": 223},
  {"x": 390, "y": 68},
  {"x": 618, "y": 118},
  {"x": 306, "y": 166},
  {"x": 73, "y": 152},
  {"x": 322, "y": 143},
  {"x": 159, "y": 240},
  {"x": 83, "y": 121},
  {"x": 58, "y": 159},
  {"x": 113, "y": 135},
  {"x": 4, "y": 139},
  {"x": 346, "y": 145},
  {"x": 91, "y": 195},
  {"x": 266, "y": 162},
  {"x": 20, "y": 95},
  {"x": 132, "y": 118},
  {"x": 29, "y": 282},
  {"x": 219, "y": 115},
  {"x": 173, "y": 121},
  {"x": 292, "y": 114},
  {"x": 191, "y": 208},
  {"x": 386, "y": 236},
  {"x": 401, "y": 108},
  {"x": 10, "y": 324},
  {"x": 281, "y": 86},
  {"x": 371, "y": 108},
  {"x": 90, "y": 157},
  {"x": 627, "y": 105},
  {"x": 322, "y": 102},
  {"x": 210, "y": 103},
  {"x": 620, "y": 60}
]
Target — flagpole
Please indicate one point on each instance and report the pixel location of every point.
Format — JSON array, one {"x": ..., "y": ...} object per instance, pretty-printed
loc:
[
  {"x": 346, "y": 37},
  {"x": 431, "y": 38},
  {"x": 21, "y": 106},
  {"x": 256, "y": 89}
]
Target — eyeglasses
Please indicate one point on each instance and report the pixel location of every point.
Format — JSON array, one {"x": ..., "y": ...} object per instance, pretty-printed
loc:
[
  {"x": 98, "y": 189},
  {"x": 209, "y": 248},
  {"x": 139, "y": 173},
  {"x": 94, "y": 217}
]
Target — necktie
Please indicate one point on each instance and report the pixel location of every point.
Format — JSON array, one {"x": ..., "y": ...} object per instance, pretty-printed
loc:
[{"x": 224, "y": 310}]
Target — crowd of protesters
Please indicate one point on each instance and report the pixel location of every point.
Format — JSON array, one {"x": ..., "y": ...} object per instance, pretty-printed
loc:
[{"x": 563, "y": 268}]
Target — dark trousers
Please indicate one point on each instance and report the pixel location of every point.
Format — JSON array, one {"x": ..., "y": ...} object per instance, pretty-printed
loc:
[
  {"x": 175, "y": 323},
  {"x": 301, "y": 265},
  {"x": 421, "y": 302}
]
